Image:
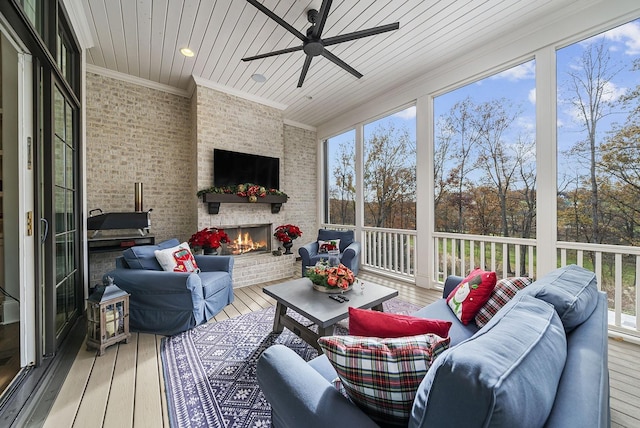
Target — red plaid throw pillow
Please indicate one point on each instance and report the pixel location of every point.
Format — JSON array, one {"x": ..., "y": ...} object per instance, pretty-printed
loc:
[
  {"x": 504, "y": 291},
  {"x": 382, "y": 375}
]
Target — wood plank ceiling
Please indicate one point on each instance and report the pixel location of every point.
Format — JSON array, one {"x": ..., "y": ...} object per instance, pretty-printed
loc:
[{"x": 142, "y": 38}]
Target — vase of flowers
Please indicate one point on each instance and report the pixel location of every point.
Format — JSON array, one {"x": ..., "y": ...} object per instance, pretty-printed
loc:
[
  {"x": 209, "y": 239},
  {"x": 286, "y": 233},
  {"x": 330, "y": 279}
]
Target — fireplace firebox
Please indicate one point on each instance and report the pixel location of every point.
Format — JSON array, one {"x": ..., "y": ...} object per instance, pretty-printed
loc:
[{"x": 246, "y": 239}]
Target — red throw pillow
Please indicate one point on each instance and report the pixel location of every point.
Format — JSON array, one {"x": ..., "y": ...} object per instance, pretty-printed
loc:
[
  {"x": 363, "y": 322},
  {"x": 471, "y": 294}
]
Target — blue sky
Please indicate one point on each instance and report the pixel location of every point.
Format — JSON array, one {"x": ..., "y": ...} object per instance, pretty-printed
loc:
[{"x": 518, "y": 85}]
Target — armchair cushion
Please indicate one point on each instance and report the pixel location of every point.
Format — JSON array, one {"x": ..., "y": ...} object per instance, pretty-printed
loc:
[
  {"x": 144, "y": 257},
  {"x": 345, "y": 237}
]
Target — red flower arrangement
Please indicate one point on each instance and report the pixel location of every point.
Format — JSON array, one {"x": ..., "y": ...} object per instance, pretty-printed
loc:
[
  {"x": 331, "y": 276},
  {"x": 286, "y": 233},
  {"x": 208, "y": 238}
]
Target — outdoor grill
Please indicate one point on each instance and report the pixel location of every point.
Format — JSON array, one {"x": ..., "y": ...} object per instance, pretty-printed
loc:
[{"x": 113, "y": 221}]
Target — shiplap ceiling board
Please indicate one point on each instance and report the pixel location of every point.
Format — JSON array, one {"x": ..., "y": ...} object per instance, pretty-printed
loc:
[{"x": 142, "y": 38}]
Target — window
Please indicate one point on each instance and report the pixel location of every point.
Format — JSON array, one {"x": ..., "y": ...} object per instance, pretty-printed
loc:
[
  {"x": 599, "y": 139},
  {"x": 341, "y": 179},
  {"x": 484, "y": 156},
  {"x": 390, "y": 171}
]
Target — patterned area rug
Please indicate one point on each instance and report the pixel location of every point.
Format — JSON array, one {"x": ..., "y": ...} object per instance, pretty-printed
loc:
[{"x": 210, "y": 371}]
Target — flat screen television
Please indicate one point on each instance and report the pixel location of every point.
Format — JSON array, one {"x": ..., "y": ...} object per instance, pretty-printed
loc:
[{"x": 231, "y": 168}]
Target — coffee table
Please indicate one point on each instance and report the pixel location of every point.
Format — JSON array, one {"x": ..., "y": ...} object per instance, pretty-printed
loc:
[{"x": 299, "y": 296}]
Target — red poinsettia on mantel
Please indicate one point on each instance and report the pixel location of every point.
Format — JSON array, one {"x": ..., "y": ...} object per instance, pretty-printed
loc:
[{"x": 208, "y": 239}]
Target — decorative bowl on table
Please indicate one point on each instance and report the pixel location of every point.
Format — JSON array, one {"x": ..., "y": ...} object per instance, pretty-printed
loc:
[{"x": 330, "y": 279}]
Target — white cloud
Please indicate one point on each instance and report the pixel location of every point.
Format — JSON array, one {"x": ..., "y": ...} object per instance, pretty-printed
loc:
[
  {"x": 407, "y": 114},
  {"x": 526, "y": 123},
  {"x": 629, "y": 35},
  {"x": 612, "y": 92},
  {"x": 532, "y": 96},
  {"x": 519, "y": 72}
]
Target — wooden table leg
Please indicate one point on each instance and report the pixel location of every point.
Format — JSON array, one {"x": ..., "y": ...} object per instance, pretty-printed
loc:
[
  {"x": 325, "y": 331},
  {"x": 281, "y": 310}
]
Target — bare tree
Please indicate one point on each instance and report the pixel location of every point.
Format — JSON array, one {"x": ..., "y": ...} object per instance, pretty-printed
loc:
[
  {"x": 343, "y": 192},
  {"x": 590, "y": 88}
]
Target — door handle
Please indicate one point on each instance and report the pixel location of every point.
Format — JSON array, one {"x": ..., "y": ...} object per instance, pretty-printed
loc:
[{"x": 46, "y": 230}]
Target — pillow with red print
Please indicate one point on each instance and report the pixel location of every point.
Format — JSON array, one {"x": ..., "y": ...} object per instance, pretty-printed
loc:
[
  {"x": 368, "y": 323},
  {"x": 471, "y": 294},
  {"x": 177, "y": 259},
  {"x": 326, "y": 246}
]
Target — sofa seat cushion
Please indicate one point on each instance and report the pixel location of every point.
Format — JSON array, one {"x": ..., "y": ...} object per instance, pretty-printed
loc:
[
  {"x": 506, "y": 375},
  {"x": 144, "y": 257},
  {"x": 572, "y": 290},
  {"x": 440, "y": 311},
  {"x": 214, "y": 282},
  {"x": 382, "y": 375}
]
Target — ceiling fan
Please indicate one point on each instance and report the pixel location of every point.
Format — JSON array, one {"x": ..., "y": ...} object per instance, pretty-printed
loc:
[{"x": 313, "y": 44}]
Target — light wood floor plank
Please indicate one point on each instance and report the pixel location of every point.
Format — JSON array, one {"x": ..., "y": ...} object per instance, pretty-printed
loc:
[
  {"x": 86, "y": 386},
  {"x": 148, "y": 404},
  {"x": 65, "y": 408},
  {"x": 94, "y": 402},
  {"x": 122, "y": 397}
]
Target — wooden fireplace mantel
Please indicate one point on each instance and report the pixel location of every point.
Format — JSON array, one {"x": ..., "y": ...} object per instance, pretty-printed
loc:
[{"x": 213, "y": 201}]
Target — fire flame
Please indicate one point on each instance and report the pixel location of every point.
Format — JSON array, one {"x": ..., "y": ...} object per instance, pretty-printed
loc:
[{"x": 245, "y": 244}]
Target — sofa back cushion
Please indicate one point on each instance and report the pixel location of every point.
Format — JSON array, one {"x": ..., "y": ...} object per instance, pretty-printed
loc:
[
  {"x": 572, "y": 290},
  {"x": 346, "y": 237},
  {"x": 506, "y": 375},
  {"x": 144, "y": 257}
]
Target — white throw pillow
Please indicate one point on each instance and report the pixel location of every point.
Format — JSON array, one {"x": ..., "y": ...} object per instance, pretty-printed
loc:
[
  {"x": 177, "y": 259},
  {"x": 325, "y": 246}
]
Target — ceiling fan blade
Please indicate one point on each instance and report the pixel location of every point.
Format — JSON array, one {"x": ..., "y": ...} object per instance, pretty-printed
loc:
[
  {"x": 305, "y": 68},
  {"x": 360, "y": 34},
  {"x": 279, "y": 20},
  {"x": 334, "y": 59},
  {"x": 274, "y": 53},
  {"x": 322, "y": 14}
]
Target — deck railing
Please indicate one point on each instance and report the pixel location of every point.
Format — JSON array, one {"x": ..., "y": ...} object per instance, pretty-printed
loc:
[{"x": 617, "y": 268}]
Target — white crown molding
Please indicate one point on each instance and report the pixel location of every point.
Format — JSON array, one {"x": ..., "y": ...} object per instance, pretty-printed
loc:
[
  {"x": 300, "y": 125},
  {"x": 137, "y": 81},
  {"x": 79, "y": 23},
  {"x": 240, "y": 94}
]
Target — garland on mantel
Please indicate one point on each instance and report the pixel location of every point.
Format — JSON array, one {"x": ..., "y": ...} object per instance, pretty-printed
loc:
[{"x": 245, "y": 189}]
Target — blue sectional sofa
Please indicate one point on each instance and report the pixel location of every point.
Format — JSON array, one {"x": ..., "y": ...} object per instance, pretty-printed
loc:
[
  {"x": 168, "y": 303},
  {"x": 540, "y": 361}
]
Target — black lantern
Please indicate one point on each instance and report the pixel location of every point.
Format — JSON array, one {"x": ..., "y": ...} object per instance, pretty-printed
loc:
[{"x": 107, "y": 316}]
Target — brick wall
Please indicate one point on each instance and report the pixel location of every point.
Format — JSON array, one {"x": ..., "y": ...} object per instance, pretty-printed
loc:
[{"x": 137, "y": 134}]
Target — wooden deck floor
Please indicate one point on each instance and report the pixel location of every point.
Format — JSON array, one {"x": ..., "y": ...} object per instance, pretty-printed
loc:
[{"x": 125, "y": 387}]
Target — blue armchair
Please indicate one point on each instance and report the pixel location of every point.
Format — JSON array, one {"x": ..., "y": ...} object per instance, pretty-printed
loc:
[
  {"x": 349, "y": 249},
  {"x": 168, "y": 303}
]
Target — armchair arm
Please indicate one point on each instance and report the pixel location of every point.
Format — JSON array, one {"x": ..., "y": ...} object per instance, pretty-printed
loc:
[
  {"x": 307, "y": 251},
  {"x": 214, "y": 263},
  {"x": 351, "y": 252},
  {"x": 300, "y": 396}
]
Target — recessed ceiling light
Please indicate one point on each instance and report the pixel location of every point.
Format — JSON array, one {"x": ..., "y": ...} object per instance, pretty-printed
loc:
[
  {"x": 259, "y": 78},
  {"x": 187, "y": 52}
]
